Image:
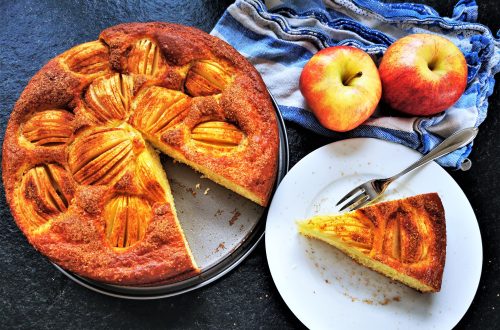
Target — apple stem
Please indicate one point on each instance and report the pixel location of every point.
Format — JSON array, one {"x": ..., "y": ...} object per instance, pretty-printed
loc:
[{"x": 357, "y": 75}]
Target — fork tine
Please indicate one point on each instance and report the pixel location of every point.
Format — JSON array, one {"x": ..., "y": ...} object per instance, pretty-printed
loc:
[
  {"x": 355, "y": 201},
  {"x": 350, "y": 194},
  {"x": 361, "y": 204}
]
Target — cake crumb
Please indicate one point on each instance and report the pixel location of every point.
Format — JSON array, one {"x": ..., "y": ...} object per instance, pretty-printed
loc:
[
  {"x": 384, "y": 302},
  {"x": 221, "y": 246},
  {"x": 206, "y": 191},
  {"x": 236, "y": 215}
]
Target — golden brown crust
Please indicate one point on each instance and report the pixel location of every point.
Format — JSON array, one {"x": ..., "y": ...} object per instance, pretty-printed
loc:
[
  {"x": 419, "y": 223},
  {"x": 408, "y": 235},
  {"x": 243, "y": 101},
  {"x": 86, "y": 167},
  {"x": 75, "y": 242}
]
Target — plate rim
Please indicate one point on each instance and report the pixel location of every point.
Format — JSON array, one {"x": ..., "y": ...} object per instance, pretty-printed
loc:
[{"x": 376, "y": 140}]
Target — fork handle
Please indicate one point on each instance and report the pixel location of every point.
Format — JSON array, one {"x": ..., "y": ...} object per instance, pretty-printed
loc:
[{"x": 453, "y": 142}]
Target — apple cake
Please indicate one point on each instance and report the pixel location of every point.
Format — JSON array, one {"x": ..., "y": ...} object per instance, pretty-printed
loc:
[
  {"x": 403, "y": 239},
  {"x": 80, "y": 155}
]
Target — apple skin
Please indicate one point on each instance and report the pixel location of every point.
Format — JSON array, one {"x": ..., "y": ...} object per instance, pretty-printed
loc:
[
  {"x": 339, "y": 98},
  {"x": 422, "y": 74}
]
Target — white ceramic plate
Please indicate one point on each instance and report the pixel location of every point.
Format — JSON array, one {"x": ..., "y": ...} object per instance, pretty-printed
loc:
[{"x": 326, "y": 289}]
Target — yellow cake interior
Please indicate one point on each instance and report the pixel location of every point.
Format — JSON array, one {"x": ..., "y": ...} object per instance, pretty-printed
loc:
[
  {"x": 207, "y": 172},
  {"x": 311, "y": 228},
  {"x": 404, "y": 240}
]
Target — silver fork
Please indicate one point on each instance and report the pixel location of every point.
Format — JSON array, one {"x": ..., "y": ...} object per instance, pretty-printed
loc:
[{"x": 369, "y": 191}]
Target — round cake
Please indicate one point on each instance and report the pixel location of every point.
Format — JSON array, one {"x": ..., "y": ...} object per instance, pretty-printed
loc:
[{"x": 80, "y": 155}]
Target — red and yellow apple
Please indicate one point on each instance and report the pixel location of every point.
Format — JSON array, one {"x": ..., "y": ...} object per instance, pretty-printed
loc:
[
  {"x": 342, "y": 87},
  {"x": 422, "y": 74}
]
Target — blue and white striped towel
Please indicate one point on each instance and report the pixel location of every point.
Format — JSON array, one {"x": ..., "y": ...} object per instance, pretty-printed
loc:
[{"x": 279, "y": 37}]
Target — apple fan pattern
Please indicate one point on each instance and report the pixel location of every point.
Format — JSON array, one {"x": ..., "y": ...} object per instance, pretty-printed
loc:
[{"x": 280, "y": 36}]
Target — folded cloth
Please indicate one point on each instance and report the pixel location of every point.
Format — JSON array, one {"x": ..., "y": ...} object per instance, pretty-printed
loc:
[{"x": 279, "y": 37}]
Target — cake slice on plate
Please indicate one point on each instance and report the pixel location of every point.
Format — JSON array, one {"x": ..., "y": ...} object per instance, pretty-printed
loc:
[{"x": 403, "y": 239}]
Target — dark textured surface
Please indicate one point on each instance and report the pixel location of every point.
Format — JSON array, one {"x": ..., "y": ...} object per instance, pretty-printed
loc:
[{"x": 33, "y": 294}]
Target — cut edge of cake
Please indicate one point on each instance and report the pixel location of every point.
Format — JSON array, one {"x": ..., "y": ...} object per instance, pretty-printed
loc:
[
  {"x": 209, "y": 174},
  {"x": 366, "y": 261},
  {"x": 310, "y": 228},
  {"x": 170, "y": 199}
]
